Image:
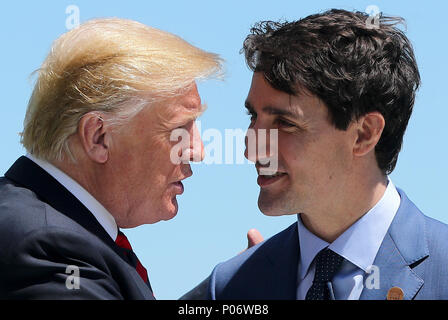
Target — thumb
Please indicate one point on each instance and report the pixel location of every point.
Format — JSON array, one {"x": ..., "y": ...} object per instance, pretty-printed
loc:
[{"x": 253, "y": 237}]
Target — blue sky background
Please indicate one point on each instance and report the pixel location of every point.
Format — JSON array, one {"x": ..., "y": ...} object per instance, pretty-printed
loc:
[{"x": 220, "y": 201}]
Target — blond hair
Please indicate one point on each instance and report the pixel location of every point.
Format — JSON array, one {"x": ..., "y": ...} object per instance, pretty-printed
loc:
[{"x": 107, "y": 65}]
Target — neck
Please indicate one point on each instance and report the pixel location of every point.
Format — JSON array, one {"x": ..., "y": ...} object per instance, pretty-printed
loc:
[
  {"x": 94, "y": 179},
  {"x": 82, "y": 173},
  {"x": 350, "y": 205}
]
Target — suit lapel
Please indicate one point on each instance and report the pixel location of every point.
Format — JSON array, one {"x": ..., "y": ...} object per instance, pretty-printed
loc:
[
  {"x": 283, "y": 262},
  {"x": 403, "y": 246},
  {"x": 266, "y": 271}
]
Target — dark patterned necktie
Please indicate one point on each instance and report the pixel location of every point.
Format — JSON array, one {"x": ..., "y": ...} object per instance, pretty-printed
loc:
[
  {"x": 327, "y": 264},
  {"x": 123, "y": 242}
]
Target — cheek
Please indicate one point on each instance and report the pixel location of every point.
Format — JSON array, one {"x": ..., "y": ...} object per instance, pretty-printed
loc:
[
  {"x": 146, "y": 166},
  {"x": 313, "y": 158},
  {"x": 162, "y": 169},
  {"x": 334, "y": 159},
  {"x": 292, "y": 152},
  {"x": 156, "y": 149}
]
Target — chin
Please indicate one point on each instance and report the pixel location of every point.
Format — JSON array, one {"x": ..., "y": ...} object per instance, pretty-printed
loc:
[
  {"x": 170, "y": 210},
  {"x": 268, "y": 208},
  {"x": 274, "y": 207},
  {"x": 169, "y": 216},
  {"x": 150, "y": 216}
]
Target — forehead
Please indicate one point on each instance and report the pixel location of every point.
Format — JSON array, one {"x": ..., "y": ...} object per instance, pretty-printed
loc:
[
  {"x": 264, "y": 98},
  {"x": 186, "y": 103},
  {"x": 189, "y": 98},
  {"x": 170, "y": 112}
]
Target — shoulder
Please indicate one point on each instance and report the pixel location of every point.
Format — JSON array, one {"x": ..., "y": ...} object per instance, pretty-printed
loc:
[
  {"x": 27, "y": 220},
  {"x": 437, "y": 240},
  {"x": 23, "y": 216},
  {"x": 435, "y": 231},
  {"x": 21, "y": 212},
  {"x": 44, "y": 264},
  {"x": 429, "y": 237},
  {"x": 239, "y": 277},
  {"x": 261, "y": 250},
  {"x": 432, "y": 269},
  {"x": 38, "y": 244}
]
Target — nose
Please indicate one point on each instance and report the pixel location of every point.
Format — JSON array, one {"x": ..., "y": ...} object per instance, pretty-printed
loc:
[
  {"x": 196, "y": 145},
  {"x": 251, "y": 145},
  {"x": 256, "y": 142},
  {"x": 261, "y": 145}
]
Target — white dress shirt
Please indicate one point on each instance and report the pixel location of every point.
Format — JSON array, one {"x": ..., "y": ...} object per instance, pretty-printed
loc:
[
  {"x": 105, "y": 219},
  {"x": 359, "y": 245}
]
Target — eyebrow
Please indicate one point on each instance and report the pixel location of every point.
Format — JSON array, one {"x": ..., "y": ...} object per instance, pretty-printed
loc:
[
  {"x": 271, "y": 110},
  {"x": 193, "y": 115},
  {"x": 201, "y": 111},
  {"x": 190, "y": 115}
]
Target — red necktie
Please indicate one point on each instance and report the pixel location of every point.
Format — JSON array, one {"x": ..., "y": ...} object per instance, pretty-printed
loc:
[{"x": 123, "y": 242}]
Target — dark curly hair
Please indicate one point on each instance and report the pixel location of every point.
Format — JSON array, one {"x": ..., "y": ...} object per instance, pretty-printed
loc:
[{"x": 354, "y": 67}]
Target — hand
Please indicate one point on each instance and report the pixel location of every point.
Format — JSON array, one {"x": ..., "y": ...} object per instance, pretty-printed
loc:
[{"x": 253, "y": 237}]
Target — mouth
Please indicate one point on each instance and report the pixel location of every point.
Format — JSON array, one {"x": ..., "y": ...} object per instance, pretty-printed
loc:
[
  {"x": 265, "y": 180},
  {"x": 178, "y": 187}
]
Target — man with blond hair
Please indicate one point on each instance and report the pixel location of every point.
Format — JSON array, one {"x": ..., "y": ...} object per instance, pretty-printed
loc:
[{"x": 98, "y": 132}]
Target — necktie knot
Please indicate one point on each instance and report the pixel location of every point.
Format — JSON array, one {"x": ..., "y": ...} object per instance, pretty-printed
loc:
[
  {"x": 122, "y": 241},
  {"x": 327, "y": 263}
]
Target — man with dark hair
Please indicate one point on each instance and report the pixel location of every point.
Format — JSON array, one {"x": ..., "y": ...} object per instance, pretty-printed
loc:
[{"x": 339, "y": 91}]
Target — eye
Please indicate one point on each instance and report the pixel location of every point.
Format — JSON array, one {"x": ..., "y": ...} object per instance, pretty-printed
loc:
[
  {"x": 284, "y": 123},
  {"x": 185, "y": 125}
]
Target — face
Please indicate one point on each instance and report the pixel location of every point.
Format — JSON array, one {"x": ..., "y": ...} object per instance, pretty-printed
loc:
[
  {"x": 314, "y": 158},
  {"x": 146, "y": 180}
]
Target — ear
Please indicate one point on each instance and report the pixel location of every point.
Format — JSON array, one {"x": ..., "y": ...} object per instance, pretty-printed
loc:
[
  {"x": 370, "y": 127},
  {"x": 94, "y": 136}
]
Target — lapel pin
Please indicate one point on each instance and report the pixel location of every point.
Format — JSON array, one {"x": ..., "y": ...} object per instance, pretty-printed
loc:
[{"x": 395, "y": 293}]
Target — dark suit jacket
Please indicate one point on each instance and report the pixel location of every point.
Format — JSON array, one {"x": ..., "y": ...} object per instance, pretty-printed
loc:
[
  {"x": 412, "y": 256},
  {"x": 43, "y": 230}
]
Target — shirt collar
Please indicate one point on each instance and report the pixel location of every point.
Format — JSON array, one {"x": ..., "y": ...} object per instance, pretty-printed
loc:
[
  {"x": 310, "y": 246},
  {"x": 103, "y": 216},
  {"x": 360, "y": 243}
]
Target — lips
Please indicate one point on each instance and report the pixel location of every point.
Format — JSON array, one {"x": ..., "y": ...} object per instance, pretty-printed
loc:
[
  {"x": 178, "y": 187},
  {"x": 266, "y": 180}
]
